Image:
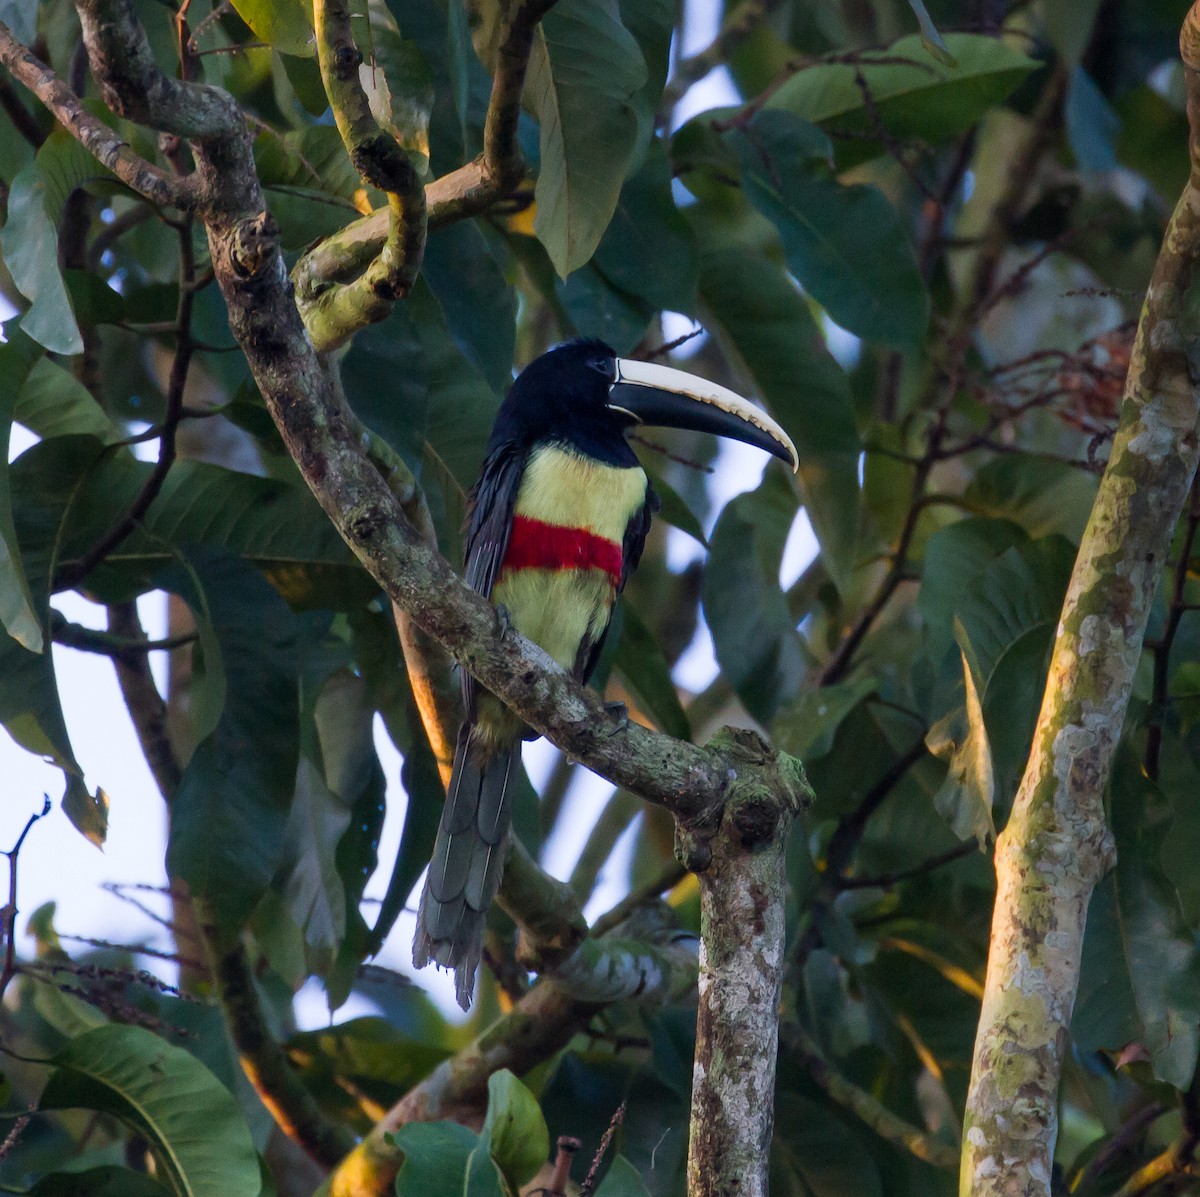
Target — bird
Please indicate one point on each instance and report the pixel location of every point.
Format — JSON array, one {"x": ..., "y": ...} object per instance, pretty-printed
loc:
[{"x": 556, "y": 523}]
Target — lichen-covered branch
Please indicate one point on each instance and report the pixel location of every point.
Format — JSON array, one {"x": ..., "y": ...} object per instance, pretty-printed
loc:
[
  {"x": 743, "y": 886},
  {"x": 1056, "y": 845},
  {"x": 467, "y": 191},
  {"x": 155, "y": 184},
  {"x": 337, "y": 311}
]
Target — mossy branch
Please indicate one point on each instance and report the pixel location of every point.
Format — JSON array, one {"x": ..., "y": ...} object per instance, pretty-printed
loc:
[
  {"x": 337, "y": 311},
  {"x": 1056, "y": 845}
]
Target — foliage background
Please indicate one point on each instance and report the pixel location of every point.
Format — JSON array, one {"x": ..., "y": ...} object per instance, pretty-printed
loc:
[{"x": 972, "y": 239}]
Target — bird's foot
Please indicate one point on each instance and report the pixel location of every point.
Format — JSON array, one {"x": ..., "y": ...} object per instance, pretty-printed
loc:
[
  {"x": 620, "y": 713},
  {"x": 503, "y": 620}
]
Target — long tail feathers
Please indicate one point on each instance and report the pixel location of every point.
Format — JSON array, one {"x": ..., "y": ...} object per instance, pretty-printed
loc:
[{"x": 467, "y": 862}]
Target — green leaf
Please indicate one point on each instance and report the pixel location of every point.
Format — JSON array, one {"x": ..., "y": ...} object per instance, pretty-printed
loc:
[
  {"x": 584, "y": 71},
  {"x": 514, "y": 1131},
  {"x": 764, "y": 321},
  {"x": 1147, "y": 947},
  {"x": 643, "y": 666},
  {"x": 399, "y": 86},
  {"x": 22, "y": 622},
  {"x": 597, "y": 308},
  {"x": 675, "y": 511},
  {"x": 437, "y": 1161},
  {"x": 622, "y": 1181},
  {"x": 920, "y": 99},
  {"x": 29, "y": 243},
  {"x": 757, "y": 646},
  {"x": 188, "y": 1117},
  {"x": 846, "y": 244},
  {"x": 53, "y": 402},
  {"x": 105, "y": 1181},
  {"x": 806, "y": 727},
  {"x": 1092, "y": 124},
  {"x": 285, "y": 24},
  {"x": 229, "y": 816},
  {"x": 960, "y": 739},
  {"x": 370, "y": 1050},
  {"x": 649, "y": 249},
  {"x": 479, "y": 305},
  {"x": 652, "y": 23}
]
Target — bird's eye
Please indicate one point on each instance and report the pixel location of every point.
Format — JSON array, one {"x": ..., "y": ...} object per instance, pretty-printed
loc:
[{"x": 605, "y": 366}]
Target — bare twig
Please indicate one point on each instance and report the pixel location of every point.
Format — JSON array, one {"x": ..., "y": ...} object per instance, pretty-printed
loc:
[
  {"x": 589, "y": 1182},
  {"x": 8, "y": 914}
]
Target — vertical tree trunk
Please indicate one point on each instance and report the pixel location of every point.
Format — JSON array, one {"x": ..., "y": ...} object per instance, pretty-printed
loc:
[{"x": 1056, "y": 845}]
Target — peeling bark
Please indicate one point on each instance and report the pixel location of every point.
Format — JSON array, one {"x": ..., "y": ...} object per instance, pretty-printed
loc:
[{"x": 1056, "y": 845}]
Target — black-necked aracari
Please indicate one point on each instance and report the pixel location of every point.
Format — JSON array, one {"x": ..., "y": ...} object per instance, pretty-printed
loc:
[{"x": 555, "y": 526}]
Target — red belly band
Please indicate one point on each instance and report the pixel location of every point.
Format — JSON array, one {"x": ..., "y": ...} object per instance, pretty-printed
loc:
[{"x": 534, "y": 544}]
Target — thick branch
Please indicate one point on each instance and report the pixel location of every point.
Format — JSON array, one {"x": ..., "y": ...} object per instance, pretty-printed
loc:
[
  {"x": 1056, "y": 845},
  {"x": 743, "y": 885},
  {"x": 94, "y": 135}
]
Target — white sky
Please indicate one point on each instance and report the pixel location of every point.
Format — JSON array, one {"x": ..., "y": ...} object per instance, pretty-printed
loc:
[{"x": 57, "y": 864}]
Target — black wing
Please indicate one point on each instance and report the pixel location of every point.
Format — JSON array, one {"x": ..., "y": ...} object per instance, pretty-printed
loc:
[
  {"x": 632, "y": 544},
  {"x": 490, "y": 507}
]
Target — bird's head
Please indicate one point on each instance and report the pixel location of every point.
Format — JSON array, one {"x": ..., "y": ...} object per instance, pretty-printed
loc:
[{"x": 582, "y": 394}]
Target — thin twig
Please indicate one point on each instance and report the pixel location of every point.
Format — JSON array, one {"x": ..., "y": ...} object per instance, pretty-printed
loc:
[
  {"x": 589, "y": 1181},
  {"x": 8, "y": 915},
  {"x": 887, "y": 880}
]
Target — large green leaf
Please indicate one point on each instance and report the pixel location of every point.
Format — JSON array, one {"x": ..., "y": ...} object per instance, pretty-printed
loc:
[
  {"x": 651, "y": 22},
  {"x": 641, "y": 662},
  {"x": 105, "y": 1181},
  {"x": 29, "y": 243},
  {"x": 622, "y": 1180},
  {"x": 584, "y": 71},
  {"x": 438, "y": 1160},
  {"x": 757, "y": 646},
  {"x": 1139, "y": 943},
  {"x": 284, "y": 24},
  {"x": 188, "y": 1117},
  {"x": 649, "y": 249},
  {"x": 53, "y": 402},
  {"x": 846, "y": 244},
  {"x": 761, "y": 317},
  {"x": 479, "y": 305},
  {"x": 276, "y": 526},
  {"x": 44, "y": 484},
  {"x": 229, "y": 816},
  {"x": 919, "y": 99},
  {"x": 22, "y": 622},
  {"x": 514, "y": 1131}
]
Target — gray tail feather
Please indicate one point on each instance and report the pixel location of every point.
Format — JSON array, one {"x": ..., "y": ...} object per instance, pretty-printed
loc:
[{"x": 467, "y": 861}]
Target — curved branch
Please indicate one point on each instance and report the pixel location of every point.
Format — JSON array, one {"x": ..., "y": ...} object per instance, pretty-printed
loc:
[
  {"x": 1056, "y": 845},
  {"x": 467, "y": 191},
  {"x": 157, "y": 185},
  {"x": 341, "y": 310}
]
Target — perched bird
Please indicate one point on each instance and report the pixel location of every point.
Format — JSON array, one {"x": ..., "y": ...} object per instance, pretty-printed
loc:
[{"x": 556, "y": 524}]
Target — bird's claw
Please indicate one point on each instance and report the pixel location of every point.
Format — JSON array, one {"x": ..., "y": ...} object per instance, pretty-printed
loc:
[
  {"x": 620, "y": 713},
  {"x": 503, "y": 620}
]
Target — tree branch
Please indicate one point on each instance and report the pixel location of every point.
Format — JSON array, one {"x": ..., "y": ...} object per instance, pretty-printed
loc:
[
  {"x": 1056, "y": 845},
  {"x": 541, "y": 1023},
  {"x": 342, "y": 309},
  {"x": 150, "y": 181},
  {"x": 467, "y": 191},
  {"x": 743, "y": 886}
]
